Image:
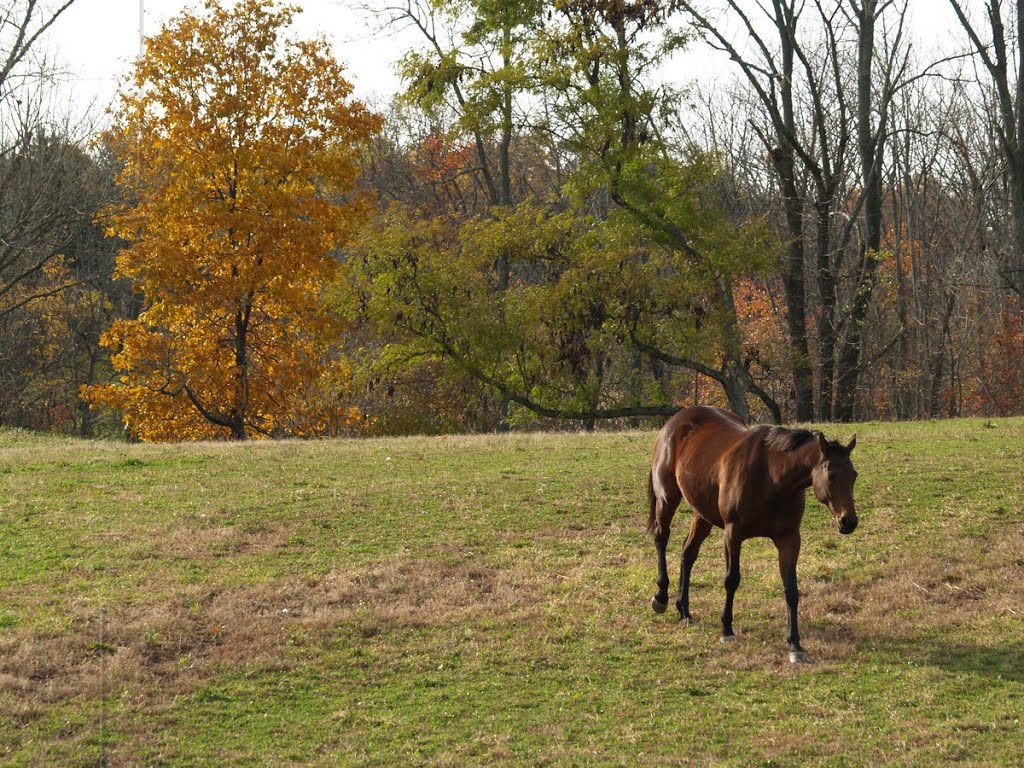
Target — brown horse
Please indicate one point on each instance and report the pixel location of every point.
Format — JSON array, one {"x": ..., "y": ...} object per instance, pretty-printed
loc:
[{"x": 749, "y": 482}]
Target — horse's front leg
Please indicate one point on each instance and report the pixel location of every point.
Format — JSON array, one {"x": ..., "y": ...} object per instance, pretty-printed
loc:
[
  {"x": 732, "y": 578},
  {"x": 789, "y": 552}
]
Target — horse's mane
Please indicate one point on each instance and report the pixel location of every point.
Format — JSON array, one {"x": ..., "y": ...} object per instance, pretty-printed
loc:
[{"x": 784, "y": 439}]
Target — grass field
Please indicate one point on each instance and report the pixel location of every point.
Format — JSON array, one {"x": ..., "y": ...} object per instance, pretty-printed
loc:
[{"x": 485, "y": 601}]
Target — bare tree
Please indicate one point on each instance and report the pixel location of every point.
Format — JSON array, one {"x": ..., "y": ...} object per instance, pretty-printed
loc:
[
  {"x": 55, "y": 269},
  {"x": 999, "y": 54},
  {"x": 876, "y": 90},
  {"x": 823, "y": 85},
  {"x": 940, "y": 178},
  {"x": 22, "y": 23},
  {"x": 33, "y": 224}
]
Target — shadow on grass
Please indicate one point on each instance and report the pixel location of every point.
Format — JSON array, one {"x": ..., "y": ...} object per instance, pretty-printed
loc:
[
  {"x": 1001, "y": 659},
  {"x": 997, "y": 656}
]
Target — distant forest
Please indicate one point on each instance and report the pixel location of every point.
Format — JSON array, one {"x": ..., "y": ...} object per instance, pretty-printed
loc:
[{"x": 554, "y": 224}]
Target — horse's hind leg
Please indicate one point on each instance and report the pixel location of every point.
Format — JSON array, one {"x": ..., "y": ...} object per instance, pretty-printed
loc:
[
  {"x": 664, "y": 501},
  {"x": 699, "y": 530}
]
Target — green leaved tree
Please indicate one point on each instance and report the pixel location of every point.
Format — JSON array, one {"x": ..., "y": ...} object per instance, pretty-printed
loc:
[{"x": 596, "y": 297}]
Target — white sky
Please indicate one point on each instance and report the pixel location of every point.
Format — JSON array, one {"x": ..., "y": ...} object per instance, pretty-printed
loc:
[{"x": 97, "y": 41}]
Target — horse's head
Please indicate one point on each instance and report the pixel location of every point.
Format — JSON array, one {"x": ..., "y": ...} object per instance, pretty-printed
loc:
[{"x": 832, "y": 479}]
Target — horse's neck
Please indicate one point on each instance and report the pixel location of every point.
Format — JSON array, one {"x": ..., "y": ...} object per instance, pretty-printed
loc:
[{"x": 793, "y": 471}]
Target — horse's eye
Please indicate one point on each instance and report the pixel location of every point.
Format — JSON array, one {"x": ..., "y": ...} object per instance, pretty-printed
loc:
[{"x": 831, "y": 476}]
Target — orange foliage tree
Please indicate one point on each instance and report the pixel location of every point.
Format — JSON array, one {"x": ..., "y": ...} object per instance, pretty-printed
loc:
[
  {"x": 1000, "y": 387},
  {"x": 240, "y": 151},
  {"x": 761, "y": 316}
]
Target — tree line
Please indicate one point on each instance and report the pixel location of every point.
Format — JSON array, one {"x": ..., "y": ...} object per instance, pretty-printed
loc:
[{"x": 551, "y": 224}]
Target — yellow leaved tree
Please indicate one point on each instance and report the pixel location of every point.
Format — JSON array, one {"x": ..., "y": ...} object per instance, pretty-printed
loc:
[{"x": 240, "y": 151}]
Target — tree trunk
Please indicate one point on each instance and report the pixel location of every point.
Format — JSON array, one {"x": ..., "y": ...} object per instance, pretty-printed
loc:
[
  {"x": 827, "y": 325},
  {"x": 793, "y": 282},
  {"x": 852, "y": 347},
  {"x": 87, "y": 413},
  {"x": 240, "y": 404},
  {"x": 735, "y": 377},
  {"x": 735, "y": 390},
  {"x": 936, "y": 364},
  {"x": 870, "y": 143},
  {"x": 796, "y": 294}
]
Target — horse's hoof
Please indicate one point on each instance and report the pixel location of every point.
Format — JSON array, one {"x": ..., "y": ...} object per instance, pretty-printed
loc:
[
  {"x": 658, "y": 606},
  {"x": 686, "y": 621},
  {"x": 726, "y": 638},
  {"x": 799, "y": 657}
]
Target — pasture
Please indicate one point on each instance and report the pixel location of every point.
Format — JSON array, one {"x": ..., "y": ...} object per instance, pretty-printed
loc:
[{"x": 485, "y": 600}]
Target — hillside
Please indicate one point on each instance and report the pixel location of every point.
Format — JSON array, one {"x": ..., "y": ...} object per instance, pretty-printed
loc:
[{"x": 485, "y": 600}]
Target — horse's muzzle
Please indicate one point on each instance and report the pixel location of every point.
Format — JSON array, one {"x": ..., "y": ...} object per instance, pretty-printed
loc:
[{"x": 847, "y": 524}]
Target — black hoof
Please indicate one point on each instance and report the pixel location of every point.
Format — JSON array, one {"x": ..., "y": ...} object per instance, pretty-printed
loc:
[
  {"x": 686, "y": 621},
  {"x": 658, "y": 606}
]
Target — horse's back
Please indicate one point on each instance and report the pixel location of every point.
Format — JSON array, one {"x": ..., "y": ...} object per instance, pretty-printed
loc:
[
  {"x": 688, "y": 455},
  {"x": 709, "y": 416},
  {"x": 700, "y": 426}
]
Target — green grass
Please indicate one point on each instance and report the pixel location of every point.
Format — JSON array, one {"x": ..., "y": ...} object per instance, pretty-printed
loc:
[{"x": 485, "y": 600}]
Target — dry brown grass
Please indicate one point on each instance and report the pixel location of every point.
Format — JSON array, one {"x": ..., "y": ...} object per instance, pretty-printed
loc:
[{"x": 156, "y": 649}]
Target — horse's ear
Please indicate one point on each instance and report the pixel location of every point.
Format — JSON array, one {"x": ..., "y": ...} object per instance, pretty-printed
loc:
[
  {"x": 853, "y": 443},
  {"x": 822, "y": 443}
]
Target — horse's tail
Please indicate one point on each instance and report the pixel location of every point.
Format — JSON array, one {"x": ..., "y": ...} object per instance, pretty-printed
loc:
[{"x": 653, "y": 501}]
